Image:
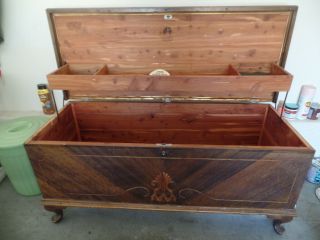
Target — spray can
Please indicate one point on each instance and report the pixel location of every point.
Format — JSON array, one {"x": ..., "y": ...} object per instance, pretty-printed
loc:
[
  {"x": 306, "y": 96},
  {"x": 314, "y": 112},
  {"x": 46, "y": 99}
]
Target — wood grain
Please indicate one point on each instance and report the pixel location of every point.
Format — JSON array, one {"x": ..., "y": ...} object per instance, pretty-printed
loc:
[{"x": 196, "y": 39}]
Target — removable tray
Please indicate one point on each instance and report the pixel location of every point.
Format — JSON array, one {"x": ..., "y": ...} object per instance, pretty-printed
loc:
[{"x": 242, "y": 81}]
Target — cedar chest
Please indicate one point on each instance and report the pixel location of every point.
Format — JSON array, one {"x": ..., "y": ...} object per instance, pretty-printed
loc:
[{"x": 203, "y": 139}]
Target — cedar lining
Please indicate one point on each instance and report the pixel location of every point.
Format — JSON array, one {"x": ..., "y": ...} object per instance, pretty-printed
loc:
[{"x": 174, "y": 123}]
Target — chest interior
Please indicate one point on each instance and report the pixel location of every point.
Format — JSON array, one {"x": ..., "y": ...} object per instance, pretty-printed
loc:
[{"x": 173, "y": 123}]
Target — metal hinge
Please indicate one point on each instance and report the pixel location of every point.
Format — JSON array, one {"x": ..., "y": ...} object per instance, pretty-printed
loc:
[
  {"x": 163, "y": 144},
  {"x": 167, "y": 100}
]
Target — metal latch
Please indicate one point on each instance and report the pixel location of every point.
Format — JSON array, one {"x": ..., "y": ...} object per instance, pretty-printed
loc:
[{"x": 164, "y": 152}]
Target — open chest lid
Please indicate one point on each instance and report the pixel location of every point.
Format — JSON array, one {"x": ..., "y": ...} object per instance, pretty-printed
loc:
[{"x": 217, "y": 53}]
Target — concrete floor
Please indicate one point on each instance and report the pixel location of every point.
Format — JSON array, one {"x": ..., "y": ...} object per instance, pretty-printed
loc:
[{"x": 24, "y": 218}]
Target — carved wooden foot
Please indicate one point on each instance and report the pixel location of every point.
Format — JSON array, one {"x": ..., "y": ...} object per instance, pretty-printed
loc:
[
  {"x": 58, "y": 214},
  {"x": 277, "y": 223}
]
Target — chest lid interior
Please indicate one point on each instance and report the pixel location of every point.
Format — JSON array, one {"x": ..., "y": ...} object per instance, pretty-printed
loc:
[{"x": 226, "y": 53}]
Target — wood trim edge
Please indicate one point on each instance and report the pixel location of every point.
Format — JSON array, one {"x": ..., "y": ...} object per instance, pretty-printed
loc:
[
  {"x": 188, "y": 146},
  {"x": 257, "y": 8},
  {"x": 174, "y": 208}
]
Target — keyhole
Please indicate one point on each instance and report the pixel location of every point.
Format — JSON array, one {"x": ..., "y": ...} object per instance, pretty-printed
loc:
[{"x": 163, "y": 153}]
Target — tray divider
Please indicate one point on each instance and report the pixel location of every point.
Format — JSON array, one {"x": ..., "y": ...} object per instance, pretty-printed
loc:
[
  {"x": 102, "y": 71},
  {"x": 277, "y": 70},
  {"x": 65, "y": 69},
  {"x": 233, "y": 71}
]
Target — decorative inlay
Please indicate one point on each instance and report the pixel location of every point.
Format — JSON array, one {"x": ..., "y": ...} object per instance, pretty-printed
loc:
[
  {"x": 117, "y": 194},
  {"x": 182, "y": 192},
  {"x": 162, "y": 191}
]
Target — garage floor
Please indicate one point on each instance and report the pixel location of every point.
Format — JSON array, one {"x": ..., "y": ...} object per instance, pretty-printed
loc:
[{"x": 24, "y": 218}]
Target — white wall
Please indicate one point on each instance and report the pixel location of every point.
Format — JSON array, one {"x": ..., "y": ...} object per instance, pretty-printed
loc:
[{"x": 27, "y": 54}]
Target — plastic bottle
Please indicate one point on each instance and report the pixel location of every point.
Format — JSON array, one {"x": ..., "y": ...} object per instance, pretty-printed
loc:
[
  {"x": 46, "y": 99},
  {"x": 306, "y": 96}
]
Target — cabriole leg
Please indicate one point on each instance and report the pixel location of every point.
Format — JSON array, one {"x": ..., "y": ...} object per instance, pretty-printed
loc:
[
  {"x": 58, "y": 213},
  {"x": 278, "y": 221}
]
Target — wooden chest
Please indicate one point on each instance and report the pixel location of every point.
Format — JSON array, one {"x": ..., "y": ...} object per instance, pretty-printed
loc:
[{"x": 202, "y": 139}]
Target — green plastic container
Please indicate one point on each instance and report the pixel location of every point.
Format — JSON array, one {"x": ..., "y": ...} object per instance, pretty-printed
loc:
[{"x": 13, "y": 156}]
